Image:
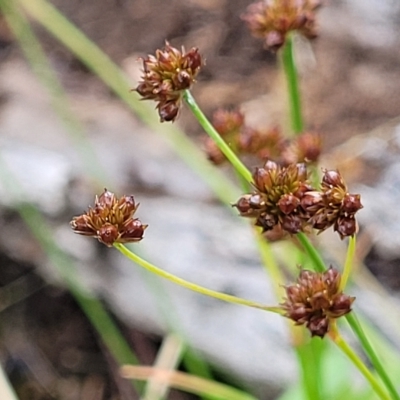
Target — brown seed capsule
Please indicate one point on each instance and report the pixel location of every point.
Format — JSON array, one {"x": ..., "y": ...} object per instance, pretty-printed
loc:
[
  {"x": 107, "y": 234},
  {"x": 315, "y": 299},
  {"x": 288, "y": 203},
  {"x": 168, "y": 111},
  {"x": 351, "y": 203},
  {"x": 110, "y": 220},
  {"x": 292, "y": 224},
  {"x": 345, "y": 226},
  {"x": 277, "y": 199},
  {"x": 331, "y": 179}
]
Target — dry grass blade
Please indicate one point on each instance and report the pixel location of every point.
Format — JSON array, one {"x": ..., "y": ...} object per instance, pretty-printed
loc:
[{"x": 185, "y": 382}]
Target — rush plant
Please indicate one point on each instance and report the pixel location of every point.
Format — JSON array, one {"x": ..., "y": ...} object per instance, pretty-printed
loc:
[{"x": 280, "y": 197}]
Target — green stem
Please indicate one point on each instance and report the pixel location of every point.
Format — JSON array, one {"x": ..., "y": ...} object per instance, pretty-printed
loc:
[
  {"x": 188, "y": 285},
  {"x": 359, "y": 332},
  {"x": 222, "y": 145},
  {"x": 33, "y": 52},
  {"x": 351, "y": 249},
  {"x": 289, "y": 67},
  {"x": 315, "y": 256},
  {"x": 309, "y": 356},
  {"x": 343, "y": 345},
  {"x": 270, "y": 264},
  {"x": 98, "y": 62}
]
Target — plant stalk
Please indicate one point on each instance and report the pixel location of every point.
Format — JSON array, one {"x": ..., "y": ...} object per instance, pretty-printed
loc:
[
  {"x": 188, "y": 285},
  {"x": 351, "y": 249},
  {"x": 222, "y": 145},
  {"x": 369, "y": 350},
  {"x": 290, "y": 69},
  {"x": 313, "y": 253},
  {"x": 346, "y": 349}
]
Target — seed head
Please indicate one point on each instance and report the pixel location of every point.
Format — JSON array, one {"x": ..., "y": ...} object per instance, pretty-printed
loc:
[
  {"x": 166, "y": 75},
  {"x": 315, "y": 299},
  {"x": 271, "y": 20},
  {"x": 110, "y": 220},
  {"x": 305, "y": 148},
  {"x": 243, "y": 140},
  {"x": 228, "y": 123},
  {"x": 284, "y": 200},
  {"x": 333, "y": 206},
  {"x": 277, "y": 197}
]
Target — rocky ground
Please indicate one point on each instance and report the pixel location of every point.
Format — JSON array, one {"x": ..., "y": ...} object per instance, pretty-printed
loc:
[{"x": 351, "y": 95}]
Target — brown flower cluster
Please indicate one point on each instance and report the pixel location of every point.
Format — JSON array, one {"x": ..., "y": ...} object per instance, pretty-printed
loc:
[
  {"x": 111, "y": 220},
  {"x": 315, "y": 299},
  {"x": 166, "y": 75},
  {"x": 333, "y": 205},
  {"x": 264, "y": 144},
  {"x": 271, "y": 20},
  {"x": 285, "y": 200}
]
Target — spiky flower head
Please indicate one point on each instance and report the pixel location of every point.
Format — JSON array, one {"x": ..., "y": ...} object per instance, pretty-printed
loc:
[
  {"x": 242, "y": 139},
  {"x": 284, "y": 199},
  {"x": 333, "y": 205},
  {"x": 166, "y": 75},
  {"x": 315, "y": 299},
  {"x": 229, "y": 124},
  {"x": 304, "y": 148},
  {"x": 277, "y": 198},
  {"x": 272, "y": 20},
  {"x": 110, "y": 220}
]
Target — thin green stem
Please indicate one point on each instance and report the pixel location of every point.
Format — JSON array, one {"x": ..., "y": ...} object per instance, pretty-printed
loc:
[
  {"x": 222, "y": 145},
  {"x": 107, "y": 71},
  {"x": 270, "y": 264},
  {"x": 188, "y": 285},
  {"x": 369, "y": 350},
  {"x": 290, "y": 69},
  {"x": 351, "y": 249},
  {"x": 344, "y": 346},
  {"x": 33, "y": 52},
  {"x": 309, "y": 356},
  {"x": 315, "y": 256}
]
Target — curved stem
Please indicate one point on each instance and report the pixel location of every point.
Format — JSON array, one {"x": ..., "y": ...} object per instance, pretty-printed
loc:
[
  {"x": 344, "y": 346},
  {"x": 192, "y": 286},
  {"x": 315, "y": 256},
  {"x": 351, "y": 249},
  {"x": 210, "y": 130},
  {"x": 289, "y": 67},
  {"x": 366, "y": 345}
]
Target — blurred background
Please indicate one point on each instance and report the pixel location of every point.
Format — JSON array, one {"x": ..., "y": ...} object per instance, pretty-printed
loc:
[{"x": 62, "y": 156}]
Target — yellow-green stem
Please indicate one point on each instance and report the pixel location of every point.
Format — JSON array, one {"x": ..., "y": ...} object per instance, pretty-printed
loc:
[
  {"x": 222, "y": 145},
  {"x": 192, "y": 286},
  {"x": 351, "y": 249},
  {"x": 313, "y": 253},
  {"x": 369, "y": 350},
  {"x": 349, "y": 352}
]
